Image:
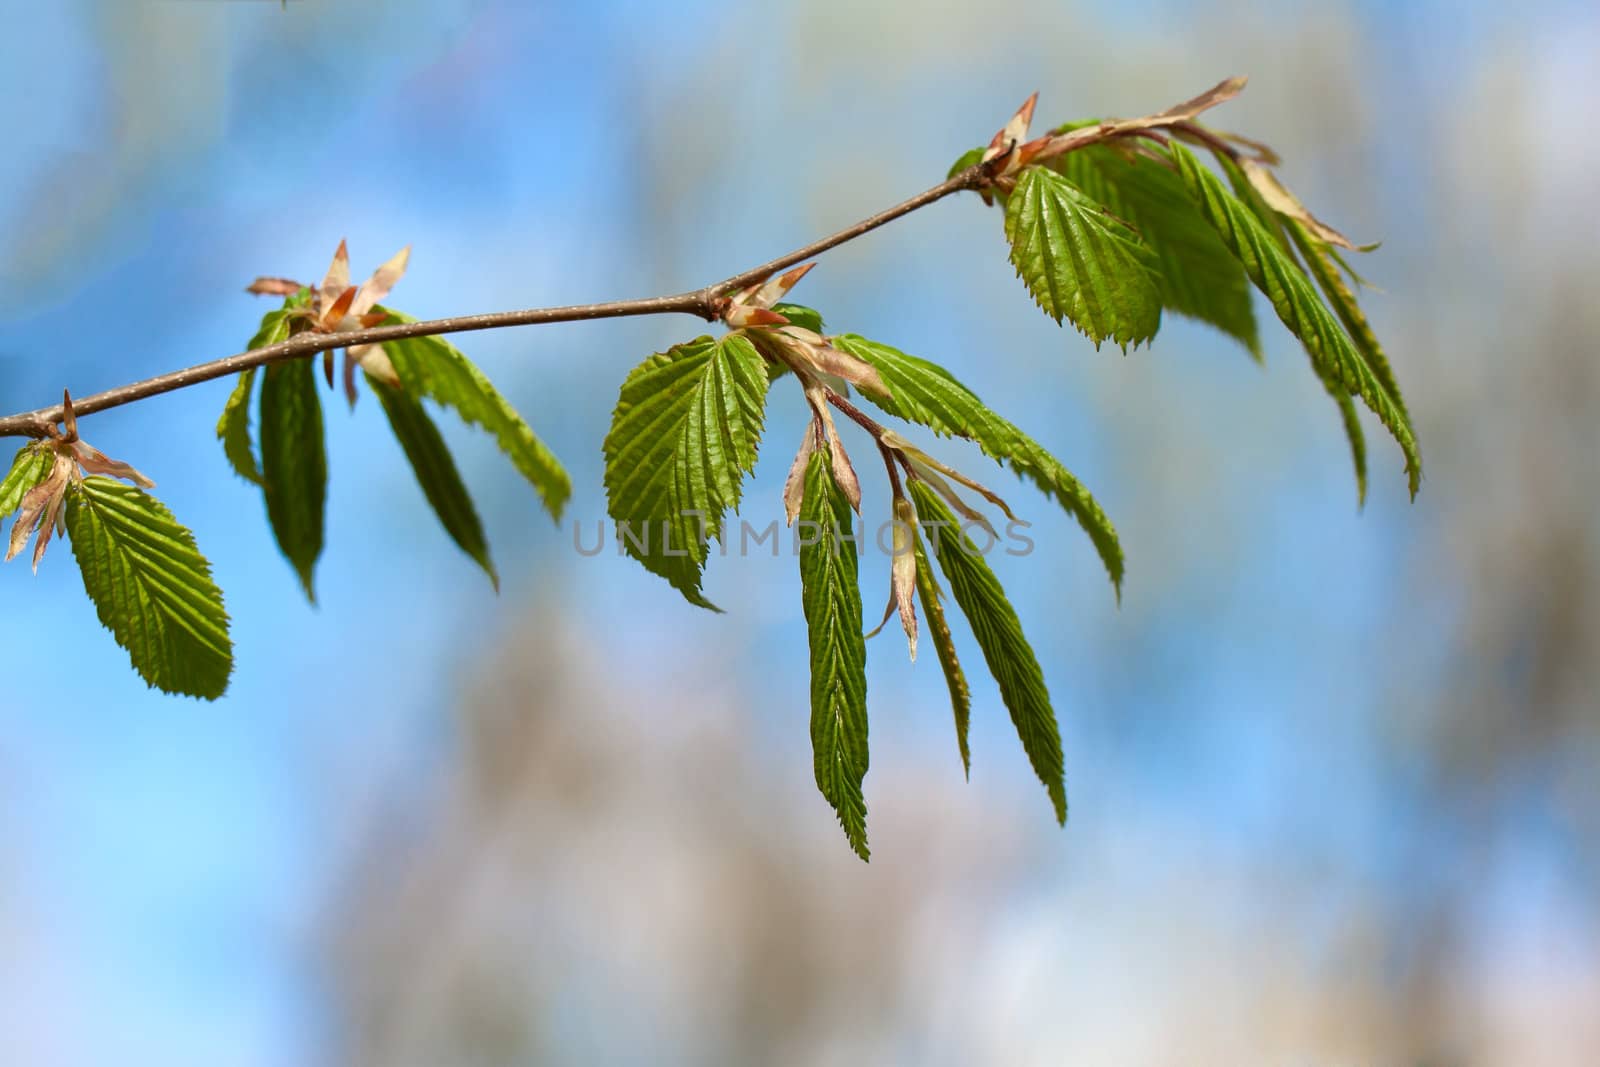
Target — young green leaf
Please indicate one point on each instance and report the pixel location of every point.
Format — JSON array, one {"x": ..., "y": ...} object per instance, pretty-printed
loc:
[
  {"x": 831, "y": 596},
  {"x": 151, "y": 587},
  {"x": 233, "y": 429},
  {"x": 1319, "y": 257},
  {"x": 1275, "y": 273},
  {"x": 432, "y": 367},
  {"x": 994, "y": 623},
  {"x": 436, "y": 472},
  {"x": 29, "y": 467},
  {"x": 970, "y": 157},
  {"x": 1196, "y": 273},
  {"x": 1081, "y": 263},
  {"x": 800, "y": 315},
  {"x": 1353, "y": 433},
  {"x": 931, "y": 597},
  {"x": 1275, "y": 223},
  {"x": 294, "y": 464},
  {"x": 683, "y": 436},
  {"x": 926, "y": 393}
]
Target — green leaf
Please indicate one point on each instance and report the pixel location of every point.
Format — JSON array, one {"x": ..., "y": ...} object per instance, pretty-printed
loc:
[
  {"x": 1275, "y": 223},
  {"x": 1318, "y": 255},
  {"x": 800, "y": 315},
  {"x": 294, "y": 464},
  {"x": 926, "y": 393},
  {"x": 994, "y": 623},
  {"x": 151, "y": 587},
  {"x": 1354, "y": 434},
  {"x": 683, "y": 436},
  {"x": 432, "y": 367},
  {"x": 1197, "y": 275},
  {"x": 831, "y": 595},
  {"x": 436, "y": 472},
  {"x": 1080, "y": 262},
  {"x": 970, "y": 157},
  {"x": 31, "y": 465},
  {"x": 1276, "y": 274},
  {"x": 233, "y": 429},
  {"x": 931, "y": 597}
]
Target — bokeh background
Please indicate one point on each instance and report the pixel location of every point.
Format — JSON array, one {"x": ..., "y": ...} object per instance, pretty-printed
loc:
[{"x": 1333, "y": 773}]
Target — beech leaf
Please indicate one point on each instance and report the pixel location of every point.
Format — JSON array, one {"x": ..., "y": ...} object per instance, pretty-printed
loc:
[
  {"x": 831, "y": 596},
  {"x": 151, "y": 587},
  {"x": 436, "y": 472},
  {"x": 683, "y": 436},
  {"x": 434, "y": 368},
  {"x": 294, "y": 465},
  {"x": 999, "y": 633}
]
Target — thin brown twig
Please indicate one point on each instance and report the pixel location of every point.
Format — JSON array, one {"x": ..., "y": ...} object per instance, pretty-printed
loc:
[
  {"x": 876, "y": 429},
  {"x": 857, "y": 416},
  {"x": 707, "y": 303}
]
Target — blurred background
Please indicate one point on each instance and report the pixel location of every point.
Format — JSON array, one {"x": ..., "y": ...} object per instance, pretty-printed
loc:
[{"x": 1333, "y": 772}]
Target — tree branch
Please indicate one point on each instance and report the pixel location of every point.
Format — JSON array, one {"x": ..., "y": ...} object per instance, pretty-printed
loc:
[{"x": 708, "y": 303}]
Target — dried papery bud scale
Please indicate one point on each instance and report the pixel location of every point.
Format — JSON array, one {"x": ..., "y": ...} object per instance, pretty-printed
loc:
[{"x": 41, "y": 509}]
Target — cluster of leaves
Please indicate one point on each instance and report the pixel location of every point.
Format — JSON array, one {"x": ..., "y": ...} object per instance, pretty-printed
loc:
[
  {"x": 148, "y": 581},
  {"x": 293, "y": 467},
  {"x": 1110, "y": 223}
]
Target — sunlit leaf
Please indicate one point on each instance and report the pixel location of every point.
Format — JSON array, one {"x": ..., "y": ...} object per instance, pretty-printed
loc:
[
  {"x": 999, "y": 634},
  {"x": 151, "y": 587},
  {"x": 1197, "y": 275},
  {"x": 932, "y": 600},
  {"x": 682, "y": 438},
  {"x": 1320, "y": 258},
  {"x": 926, "y": 393},
  {"x": 233, "y": 428},
  {"x": 434, "y": 368},
  {"x": 294, "y": 464},
  {"x": 832, "y": 599},
  {"x": 436, "y": 472},
  {"x": 31, "y": 465},
  {"x": 1295, "y": 300},
  {"x": 1079, "y": 262}
]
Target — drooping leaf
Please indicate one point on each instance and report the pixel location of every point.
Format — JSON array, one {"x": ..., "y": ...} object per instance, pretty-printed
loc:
[
  {"x": 233, "y": 429},
  {"x": 1319, "y": 257},
  {"x": 931, "y": 597},
  {"x": 1353, "y": 433},
  {"x": 1079, "y": 262},
  {"x": 926, "y": 393},
  {"x": 434, "y": 368},
  {"x": 999, "y": 633},
  {"x": 29, "y": 467},
  {"x": 682, "y": 438},
  {"x": 1196, "y": 273},
  {"x": 151, "y": 587},
  {"x": 831, "y": 595},
  {"x": 1294, "y": 298},
  {"x": 1276, "y": 225},
  {"x": 294, "y": 464},
  {"x": 436, "y": 472}
]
